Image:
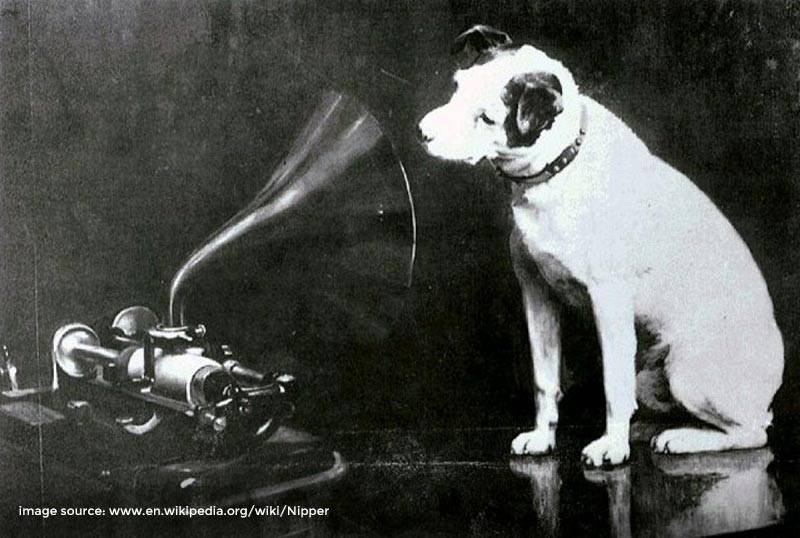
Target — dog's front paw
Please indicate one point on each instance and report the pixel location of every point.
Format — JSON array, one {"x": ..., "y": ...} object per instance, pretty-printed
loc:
[
  {"x": 538, "y": 441},
  {"x": 607, "y": 450}
]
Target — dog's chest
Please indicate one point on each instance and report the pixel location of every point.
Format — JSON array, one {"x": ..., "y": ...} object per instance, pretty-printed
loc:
[{"x": 548, "y": 239}]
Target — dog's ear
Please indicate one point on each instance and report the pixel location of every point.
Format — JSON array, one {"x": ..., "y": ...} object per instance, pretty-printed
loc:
[
  {"x": 534, "y": 100},
  {"x": 479, "y": 39}
]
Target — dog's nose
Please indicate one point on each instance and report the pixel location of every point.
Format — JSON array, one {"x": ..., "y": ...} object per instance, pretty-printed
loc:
[{"x": 421, "y": 136}]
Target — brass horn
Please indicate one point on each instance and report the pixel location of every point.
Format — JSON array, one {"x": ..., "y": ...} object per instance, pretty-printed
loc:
[{"x": 340, "y": 181}]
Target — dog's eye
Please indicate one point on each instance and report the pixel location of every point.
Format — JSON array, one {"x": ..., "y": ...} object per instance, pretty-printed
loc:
[{"x": 486, "y": 119}]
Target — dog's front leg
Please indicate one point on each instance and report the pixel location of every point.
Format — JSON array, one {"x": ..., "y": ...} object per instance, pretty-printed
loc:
[
  {"x": 545, "y": 344},
  {"x": 612, "y": 303}
]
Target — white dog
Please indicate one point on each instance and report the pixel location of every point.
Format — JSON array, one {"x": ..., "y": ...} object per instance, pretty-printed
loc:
[{"x": 602, "y": 223}]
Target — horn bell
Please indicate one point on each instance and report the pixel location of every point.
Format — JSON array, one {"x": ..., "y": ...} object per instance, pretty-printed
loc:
[{"x": 333, "y": 229}]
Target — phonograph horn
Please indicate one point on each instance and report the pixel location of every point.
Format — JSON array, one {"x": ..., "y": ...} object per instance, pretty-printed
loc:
[{"x": 341, "y": 198}]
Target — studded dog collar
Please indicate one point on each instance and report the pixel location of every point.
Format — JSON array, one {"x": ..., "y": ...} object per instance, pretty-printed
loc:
[{"x": 557, "y": 165}]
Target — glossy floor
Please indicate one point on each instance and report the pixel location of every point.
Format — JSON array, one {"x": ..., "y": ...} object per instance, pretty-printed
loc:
[
  {"x": 448, "y": 482},
  {"x": 461, "y": 483}
]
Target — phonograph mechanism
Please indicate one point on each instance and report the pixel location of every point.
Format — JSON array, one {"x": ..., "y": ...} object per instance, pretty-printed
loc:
[{"x": 339, "y": 201}]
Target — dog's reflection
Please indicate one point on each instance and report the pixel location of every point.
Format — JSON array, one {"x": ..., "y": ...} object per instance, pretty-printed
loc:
[
  {"x": 668, "y": 495},
  {"x": 545, "y": 490}
]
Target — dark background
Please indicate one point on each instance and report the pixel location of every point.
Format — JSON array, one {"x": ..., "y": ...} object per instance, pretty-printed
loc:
[{"x": 130, "y": 130}]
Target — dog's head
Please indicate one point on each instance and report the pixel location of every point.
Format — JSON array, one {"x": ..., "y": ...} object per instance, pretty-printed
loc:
[{"x": 509, "y": 103}]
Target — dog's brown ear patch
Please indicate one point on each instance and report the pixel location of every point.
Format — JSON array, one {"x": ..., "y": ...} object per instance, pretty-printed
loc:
[
  {"x": 533, "y": 101},
  {"x": 479, "y": 39}
]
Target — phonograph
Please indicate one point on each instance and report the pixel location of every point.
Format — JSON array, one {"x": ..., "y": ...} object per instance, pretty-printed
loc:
[{"x": 166, "y": 384}]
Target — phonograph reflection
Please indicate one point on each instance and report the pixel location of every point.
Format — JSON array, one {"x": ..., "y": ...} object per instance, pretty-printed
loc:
[
  {"x": 667, "y": 495},
  {"x": 331, "y": 231}
]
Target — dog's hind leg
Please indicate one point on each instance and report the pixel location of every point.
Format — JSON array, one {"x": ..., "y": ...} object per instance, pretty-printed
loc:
[
  {"x": 544, "y": 335},
  {"x": 736, "y": 408},
  {"x": 690, "y": 440}
]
